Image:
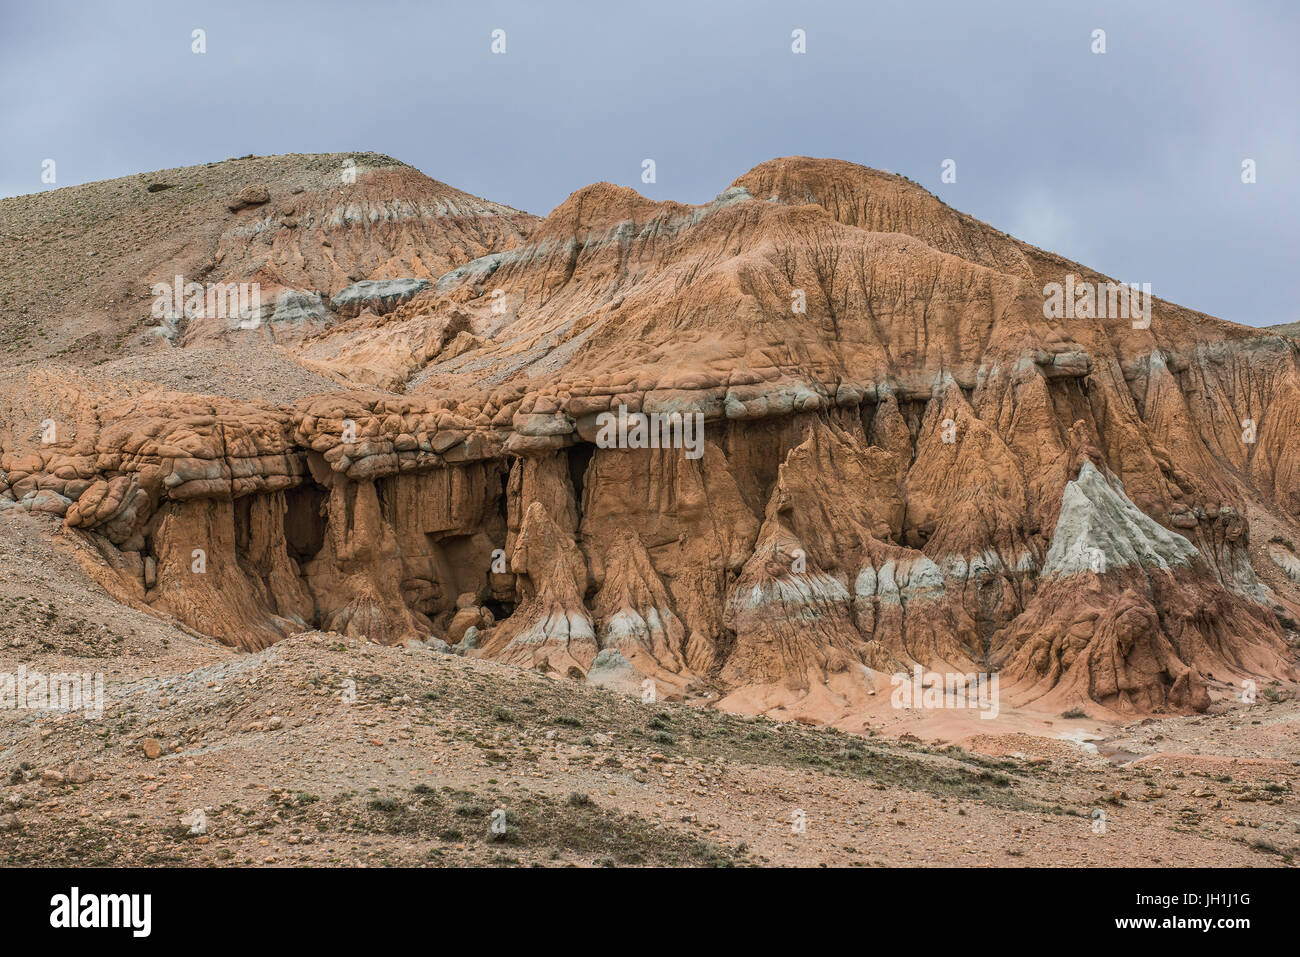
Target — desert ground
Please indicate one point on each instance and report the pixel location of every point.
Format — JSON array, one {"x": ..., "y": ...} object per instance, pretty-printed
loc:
[{"x": 324, "y": 750}]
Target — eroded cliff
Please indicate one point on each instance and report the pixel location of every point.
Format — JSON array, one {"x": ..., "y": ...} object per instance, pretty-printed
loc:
[{"x": 902, "y": 460}]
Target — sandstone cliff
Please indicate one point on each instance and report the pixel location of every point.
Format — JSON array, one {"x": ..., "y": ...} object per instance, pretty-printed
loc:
[{"x": 903, "y": 461}]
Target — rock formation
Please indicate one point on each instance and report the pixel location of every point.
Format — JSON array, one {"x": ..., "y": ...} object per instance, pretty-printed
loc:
[{"x": 902, "y": 460}]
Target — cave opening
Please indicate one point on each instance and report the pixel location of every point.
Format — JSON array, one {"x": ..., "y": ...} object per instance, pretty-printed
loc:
[
  {"x": 503, "y": 500},
  {"x": 579, "y": 457},
  {"x": 386, "y": 494},
  {"x": 461, "y": 565},
  {"x": 501, "y": 610},
  {"x": 304, "y": 521}
]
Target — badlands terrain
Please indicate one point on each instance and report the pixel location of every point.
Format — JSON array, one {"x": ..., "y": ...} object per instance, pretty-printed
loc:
[{"x": 367, "y": 584}]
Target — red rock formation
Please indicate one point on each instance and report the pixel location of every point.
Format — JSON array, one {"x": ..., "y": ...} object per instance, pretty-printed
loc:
[{"x": 903, "y": 461}]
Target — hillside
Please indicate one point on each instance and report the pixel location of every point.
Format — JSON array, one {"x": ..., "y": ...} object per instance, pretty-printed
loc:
[
  {"x": 329, "y": 751},
  {"x": 906, "y": 458}
]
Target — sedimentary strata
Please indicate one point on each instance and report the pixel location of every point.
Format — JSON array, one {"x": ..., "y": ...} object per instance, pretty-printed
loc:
[{"x": 904, "y": 461}]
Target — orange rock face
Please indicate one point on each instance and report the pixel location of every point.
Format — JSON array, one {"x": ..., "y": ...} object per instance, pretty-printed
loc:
[{"x": 768, "y": 451}]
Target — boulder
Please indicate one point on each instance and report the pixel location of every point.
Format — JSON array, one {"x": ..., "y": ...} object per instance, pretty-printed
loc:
[{"x": 254, "y": 195}]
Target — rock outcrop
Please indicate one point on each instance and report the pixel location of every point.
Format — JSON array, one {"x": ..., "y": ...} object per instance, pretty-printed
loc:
[
  {"x": 847, "y": 441},
  {"x": 1129, "y": 614},
  {"x": 380, "y": 296}
]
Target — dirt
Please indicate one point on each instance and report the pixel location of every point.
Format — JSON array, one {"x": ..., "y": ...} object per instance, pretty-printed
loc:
[{"x": 327, "y": 750}]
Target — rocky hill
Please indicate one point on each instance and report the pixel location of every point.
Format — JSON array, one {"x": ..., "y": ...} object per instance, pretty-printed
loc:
[{"x": 903, "y": 459}]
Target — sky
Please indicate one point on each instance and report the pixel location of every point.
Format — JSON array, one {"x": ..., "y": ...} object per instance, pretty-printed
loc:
[{"x": 1129, "y": 161}]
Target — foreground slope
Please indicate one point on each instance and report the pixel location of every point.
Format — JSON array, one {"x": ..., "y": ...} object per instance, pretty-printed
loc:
[{"x": 325, "y": 750}]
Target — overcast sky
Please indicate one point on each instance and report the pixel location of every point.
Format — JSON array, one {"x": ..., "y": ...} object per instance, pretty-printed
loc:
[{"x": 1129, "y": 161}]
